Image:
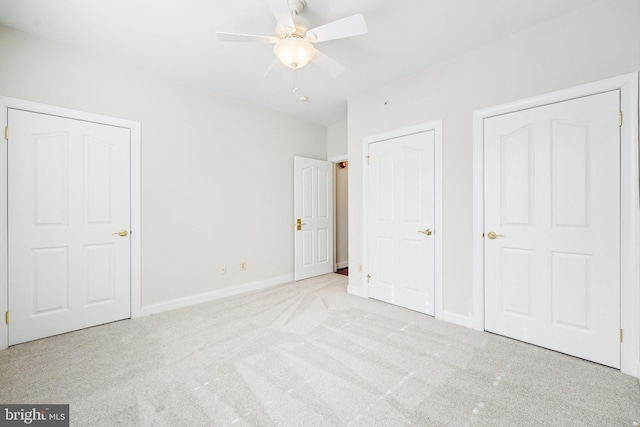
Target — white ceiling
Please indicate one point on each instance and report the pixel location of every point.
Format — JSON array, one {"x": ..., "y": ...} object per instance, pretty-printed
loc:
[{"x": 177, "y": 38}]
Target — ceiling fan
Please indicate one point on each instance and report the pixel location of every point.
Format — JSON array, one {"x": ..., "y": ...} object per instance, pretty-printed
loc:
[{"x": 294, "y": 44}]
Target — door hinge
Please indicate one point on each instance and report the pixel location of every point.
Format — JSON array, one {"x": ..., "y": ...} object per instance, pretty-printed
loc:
[
  {"x": 6, "y": 317},
  {"x": 368, "y": 278},
  {"x": 621, "y": 335},
  {"x": 367, "y": 157},
  {"x": 6, "y": 133},
  {"x": 620, "y": 120}
]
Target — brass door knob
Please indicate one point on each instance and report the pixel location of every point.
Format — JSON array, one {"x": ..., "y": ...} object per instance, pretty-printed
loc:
[
  {"x": 428, "y": 232},
  {"x": 493, "y": 235},
  {"x": 121, "y": 233}
]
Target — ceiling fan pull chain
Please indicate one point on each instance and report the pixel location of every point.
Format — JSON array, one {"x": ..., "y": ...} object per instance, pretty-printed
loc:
[{"x": 295, "y": 81}]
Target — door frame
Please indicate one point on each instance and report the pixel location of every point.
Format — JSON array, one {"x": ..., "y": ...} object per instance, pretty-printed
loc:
[
  {"x": 436, "y": 126},
  {"x": 629, "y": 204},
  {"x": 134, "y": 127}
]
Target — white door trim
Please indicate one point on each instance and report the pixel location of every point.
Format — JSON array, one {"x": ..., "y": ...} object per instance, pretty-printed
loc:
[
  {"x": 134, "y": 127},
  {"x": 435, "y": 126},
  {"x": 630, "y": 204}
]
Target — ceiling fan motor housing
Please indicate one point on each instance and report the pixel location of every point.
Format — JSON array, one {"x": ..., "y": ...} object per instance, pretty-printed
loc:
[
  {"x": 284, "y": 32},
  {"x": 296, "y": 7}
]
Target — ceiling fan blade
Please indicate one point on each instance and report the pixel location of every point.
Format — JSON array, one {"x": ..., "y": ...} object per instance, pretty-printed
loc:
[
  {"x": 232, "y": 37},
  {"x": 328, "y": 65},
  {"x": 280, "y": 9},
  {"x": 346, "y": 27}
]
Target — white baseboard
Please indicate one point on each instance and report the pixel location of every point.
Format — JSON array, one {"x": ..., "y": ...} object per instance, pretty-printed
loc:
[
  {"x": 343, "y": 264},
  {"x": 458, "y": 319},
  {"x": 214, "y": 295},
  {"x": 357, "y": 291}
]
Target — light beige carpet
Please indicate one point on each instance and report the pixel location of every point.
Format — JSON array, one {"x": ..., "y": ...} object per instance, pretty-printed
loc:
[{"x": 308, "y": 354}]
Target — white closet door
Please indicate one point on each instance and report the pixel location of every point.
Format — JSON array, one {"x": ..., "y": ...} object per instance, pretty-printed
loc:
[
  {"x": 401, "y": 231},
  {"x": 552, "y": 197},
  {"x": 68, "y": 192}
]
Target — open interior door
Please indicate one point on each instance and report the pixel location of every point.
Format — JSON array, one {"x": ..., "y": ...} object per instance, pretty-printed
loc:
[{"x": 313, "y": 217}]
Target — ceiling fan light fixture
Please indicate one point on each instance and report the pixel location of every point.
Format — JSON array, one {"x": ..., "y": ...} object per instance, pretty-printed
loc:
[{"x": 294, "y": 52}]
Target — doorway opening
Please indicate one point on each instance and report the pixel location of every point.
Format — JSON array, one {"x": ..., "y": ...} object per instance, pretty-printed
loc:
[{"x": 341, "y": 216}]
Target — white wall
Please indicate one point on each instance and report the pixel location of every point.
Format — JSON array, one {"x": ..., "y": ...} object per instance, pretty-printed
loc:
[
  {"x": 597, "y": 42},
  {"x": 342, "y": 216},
  {"x": 337, "y": 141},
  {"x": 217, "y": 173}
]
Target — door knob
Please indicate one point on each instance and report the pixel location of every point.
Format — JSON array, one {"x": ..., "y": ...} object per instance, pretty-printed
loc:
[
  {"x": 493, "y": 235},
  {"x": 121, "y": 233},
  {"x": 299, "y": 224},
  {"x": 428, "y": 232}
]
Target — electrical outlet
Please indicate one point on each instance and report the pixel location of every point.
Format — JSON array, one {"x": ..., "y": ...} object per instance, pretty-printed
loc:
[
  {"x": 243, "y": 265},
  {"x": 222, "y": 269}
]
